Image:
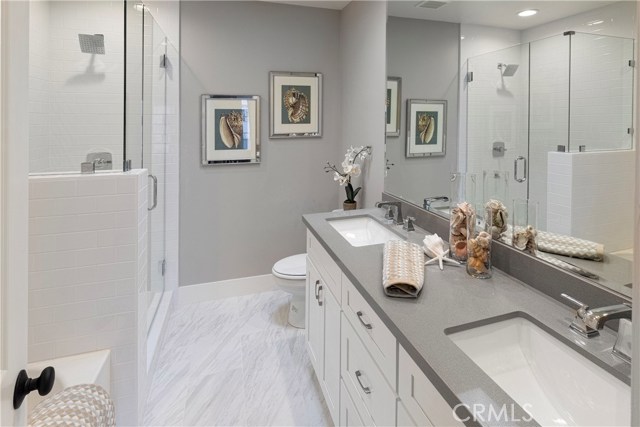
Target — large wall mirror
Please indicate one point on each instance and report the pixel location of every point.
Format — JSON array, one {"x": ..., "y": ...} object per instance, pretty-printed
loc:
[{"x": 539, "y": 108}]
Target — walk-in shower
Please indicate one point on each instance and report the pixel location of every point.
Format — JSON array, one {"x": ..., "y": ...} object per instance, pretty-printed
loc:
[{"x": 105, "y": 94}]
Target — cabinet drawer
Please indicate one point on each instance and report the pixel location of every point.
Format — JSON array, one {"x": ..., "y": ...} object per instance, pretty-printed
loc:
[
  {"x": 374, "y": 334},
  {"x": 423, "y": 402},
  {"x": 327, "y": 267},
  {"x": 364, "y": 380},
  {"x": 349, "y": 415},
  {"x": 405, "y": 420}
]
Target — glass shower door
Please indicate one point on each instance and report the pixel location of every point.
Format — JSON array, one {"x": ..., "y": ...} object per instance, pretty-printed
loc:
[
  {"x": 154, "y": 156},
  {"x": 497, "y": 115}
]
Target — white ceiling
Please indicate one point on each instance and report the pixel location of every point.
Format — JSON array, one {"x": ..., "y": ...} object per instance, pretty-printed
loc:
[
  {"x": 324, "y": 4},
  {"x": 497, "y": 13},
  {"x": 501, "y": 14}
]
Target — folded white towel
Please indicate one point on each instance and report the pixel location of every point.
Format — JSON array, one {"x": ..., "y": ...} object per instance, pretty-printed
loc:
[{"x": 403, "y": 269}]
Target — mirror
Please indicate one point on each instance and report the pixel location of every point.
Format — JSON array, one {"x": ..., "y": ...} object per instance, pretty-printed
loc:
[{"x": 535, "y": 111}]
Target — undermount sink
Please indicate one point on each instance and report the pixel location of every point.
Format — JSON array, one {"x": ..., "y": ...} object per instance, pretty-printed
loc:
[
  {"x": 555, "y": 384},
  {"x": 363, "y": 231}
]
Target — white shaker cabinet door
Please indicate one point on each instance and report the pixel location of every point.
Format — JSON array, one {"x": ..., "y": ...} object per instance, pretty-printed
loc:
[
  {"x": 332, "y": 352},
  {"x": 315, "y": 319}
]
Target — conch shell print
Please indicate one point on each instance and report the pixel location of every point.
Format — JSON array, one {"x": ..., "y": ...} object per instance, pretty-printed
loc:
[
  {"x": 231, "y": 129},
  {"x": 296, "y": 104},
  {"x": 426, "y": 126}
]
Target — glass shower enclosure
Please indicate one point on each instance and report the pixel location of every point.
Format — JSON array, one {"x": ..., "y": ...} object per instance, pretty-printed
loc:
[
  {"x": 152, "y": 91},
  {"x": 570, "y": 93}
]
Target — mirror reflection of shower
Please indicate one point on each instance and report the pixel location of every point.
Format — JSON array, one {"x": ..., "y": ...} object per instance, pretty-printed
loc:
[
  {"x": 506, "y": 70},
  {"x": 94, "y": 45}
]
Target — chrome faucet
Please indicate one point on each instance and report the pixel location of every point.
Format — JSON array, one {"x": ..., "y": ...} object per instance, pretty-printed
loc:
[
  {"x": 588, "y": 321},
  {"x": 398, "y": 206},
  {"x": 429, "y": 200}
]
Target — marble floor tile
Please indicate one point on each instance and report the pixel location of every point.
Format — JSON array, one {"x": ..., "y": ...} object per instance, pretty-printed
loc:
[{"x": 235, "y": 362}]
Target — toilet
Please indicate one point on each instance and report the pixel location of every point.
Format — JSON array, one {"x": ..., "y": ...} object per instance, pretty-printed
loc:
[{"x": 290, "y": 275}]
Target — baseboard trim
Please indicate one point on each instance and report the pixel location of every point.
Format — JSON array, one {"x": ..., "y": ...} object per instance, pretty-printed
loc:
[{"x": 224, "y": 289}]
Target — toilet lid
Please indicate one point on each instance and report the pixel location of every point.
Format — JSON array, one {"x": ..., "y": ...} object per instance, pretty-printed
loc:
[{"x": 295, "y": 265}]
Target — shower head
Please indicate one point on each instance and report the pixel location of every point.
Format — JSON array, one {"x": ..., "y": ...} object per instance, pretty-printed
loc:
[
  {"x": 508, "y": 70},
  {"x": 92, "y": 43}
]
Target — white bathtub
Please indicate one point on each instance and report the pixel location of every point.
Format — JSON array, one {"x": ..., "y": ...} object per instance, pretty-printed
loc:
[{"x": 85, "y": 368}]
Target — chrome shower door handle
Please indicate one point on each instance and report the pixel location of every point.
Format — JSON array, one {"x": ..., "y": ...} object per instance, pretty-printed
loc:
[
  {"x": 515, "y": 169},
  {"x": 155, "y": 192}
]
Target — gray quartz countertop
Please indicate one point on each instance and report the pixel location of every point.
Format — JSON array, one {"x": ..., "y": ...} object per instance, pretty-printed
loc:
[{"x": 451, "y": 299}]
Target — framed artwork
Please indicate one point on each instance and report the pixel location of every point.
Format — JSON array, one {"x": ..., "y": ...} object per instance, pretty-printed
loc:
[
  {"x": 230, "y": 129},
  {"x": 393, "y": 105},
  {"x": 296, "y": 105},
  {"x": 426, "y": 128}
]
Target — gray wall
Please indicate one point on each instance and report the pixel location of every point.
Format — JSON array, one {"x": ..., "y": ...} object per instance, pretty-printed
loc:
[
  {"x": 236, "y": 221},
  {"x": 425, "y": 54},
  {"x": 362, "y": 42}
]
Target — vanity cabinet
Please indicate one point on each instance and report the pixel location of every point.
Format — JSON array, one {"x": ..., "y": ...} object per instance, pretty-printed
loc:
[
  {"x": 364, "y": 380},
  {"x": 323, "y": 322},
  {"x": 423, "y": 404},
  {"x": 357, "y": 359}
]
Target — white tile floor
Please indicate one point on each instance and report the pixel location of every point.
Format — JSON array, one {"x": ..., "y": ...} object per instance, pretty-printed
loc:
[{"x": 236, "y": 362}]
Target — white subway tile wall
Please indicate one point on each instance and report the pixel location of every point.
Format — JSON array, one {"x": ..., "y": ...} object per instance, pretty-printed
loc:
[
  {"x": 497, "y": 112},
  {"x": 75, "y": 99},
  {"x": 88, "y": 273},
  {"x": 589, "y": 196},
  {"x": 549, "y": 105}
]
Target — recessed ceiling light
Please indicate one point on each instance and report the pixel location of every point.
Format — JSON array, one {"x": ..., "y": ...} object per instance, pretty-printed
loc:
[
  {"x": 598, "y": 22},
  {"x": 461, "y": 37},
  {"x": 528, "y": 12}
]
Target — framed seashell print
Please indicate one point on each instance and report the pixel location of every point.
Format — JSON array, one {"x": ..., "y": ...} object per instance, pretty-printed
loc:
[
  {"x": 392, "y": 105},
  {"x": 230, "y": 129},
  {"x": 426, "y": 128},
  {"x": 296, "y": 105}
]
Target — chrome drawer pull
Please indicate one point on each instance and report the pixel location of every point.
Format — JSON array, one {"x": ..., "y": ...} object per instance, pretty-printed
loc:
[
  {"x": 366, "y": 325},
  {"x": 319, "y": 290},
  {"x": 367, "y": 390},
  {"x": 316, "y": 290}
]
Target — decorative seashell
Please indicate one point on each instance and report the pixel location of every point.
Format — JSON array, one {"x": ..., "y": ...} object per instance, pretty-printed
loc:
[
  {"x": 525, "y": 240},
  {"x": 434, "y": 246},
  {"x": 296, "y": 104},
  {"x": 499, "y": 217},
  {"x": 460, "y": 249},
  {"x": 231, "y": 129},
  {"x": 426, "y": 126},
  {"x": 458, "y": 229}
]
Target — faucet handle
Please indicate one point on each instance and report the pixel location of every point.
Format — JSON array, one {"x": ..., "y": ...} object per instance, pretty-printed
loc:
[
  {"x": 408, "y": 223},
  {"x": 389, "y": 214},
  {"x": 576, "y": 302},
  {"x": 579, "y": 325}
]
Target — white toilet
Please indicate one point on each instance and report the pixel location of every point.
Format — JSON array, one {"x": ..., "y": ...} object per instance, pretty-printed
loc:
[{"x": 290, "y": 276}]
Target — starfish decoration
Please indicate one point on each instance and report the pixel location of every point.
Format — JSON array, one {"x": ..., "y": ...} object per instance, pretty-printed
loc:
[{"x": 434, "y": 247}]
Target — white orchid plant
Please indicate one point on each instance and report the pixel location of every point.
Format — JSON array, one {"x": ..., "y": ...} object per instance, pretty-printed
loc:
[{"x": 350, "y": 168}]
